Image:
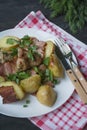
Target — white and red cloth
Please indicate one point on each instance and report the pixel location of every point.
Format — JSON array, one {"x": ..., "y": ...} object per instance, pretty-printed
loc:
[{"x": 73, "y": 114}]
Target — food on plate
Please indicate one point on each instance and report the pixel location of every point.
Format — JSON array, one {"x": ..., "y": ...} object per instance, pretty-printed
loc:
[
  {"x": 31, "y": 84},
  {"x": 27, "y": 54},
  {"x": 11, "y": 92},
  {"x": 46, "y": 95},
  {"x": 55, "y": 66},
  {"x": 27, "y": 64},
  {"x": 2, "y": 79},
  {"x": 50, "y": 47},
  {"x": 8, "y": 42}
]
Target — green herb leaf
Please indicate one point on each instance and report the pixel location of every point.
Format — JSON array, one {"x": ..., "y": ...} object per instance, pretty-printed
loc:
[
  {"x": 11, "y": 41},
  {"x": 30, "y": 55},
  {"x": 26, "y": 37},
  {"x": 36, "y": 69},
  {"x": 46, "y": 61},
  {"x": 14, "y": 51},
  {"x": 23, "y": 75},
  {"x": 49, "y": 74},
  {"x": 27, "y": 101},
  {"x": 18, "y": 76},
  {"x": 25, "y": 105},
  {"x": 25, "y": 41}
]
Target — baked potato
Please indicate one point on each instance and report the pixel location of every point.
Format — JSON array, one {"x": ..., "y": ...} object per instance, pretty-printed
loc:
[
  {"x": 46, "y": 95},
  {"x": 18, "y": 91},
  {"x": 31, "y": 84},
  {"x": 49, "y": 49},
  {"x": 2, "y": 79},
  {"x": 55, "y": 66},
  {"x": 8, "y": 42}
]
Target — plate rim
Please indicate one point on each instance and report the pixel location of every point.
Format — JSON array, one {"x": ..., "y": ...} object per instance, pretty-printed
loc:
[{"x": 25, "y": 28}]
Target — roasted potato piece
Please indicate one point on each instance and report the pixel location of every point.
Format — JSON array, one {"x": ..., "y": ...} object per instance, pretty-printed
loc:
[
  {"x": 46, "y": 95},
  {"x": 2, "y": 79},
  {"x": 8, "y": 42},
  {"x": 31, "y": 84},
  {"x": 18, "y": 91},
  {"x": 50, "y": 47},
  {"x": 55, "y": 66}
]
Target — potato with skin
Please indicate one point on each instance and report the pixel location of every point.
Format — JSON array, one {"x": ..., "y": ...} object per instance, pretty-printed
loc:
[
  {"x": 56, "y": 67},
  {"x": 31, "y": 84},
  {"x": 18, "y": 91},
  {"x": 49, "y": 49},
  {"x": 46, "y": 95},
  {"x": 2, "y": 79},
  {"x": 13, "y": 42}
]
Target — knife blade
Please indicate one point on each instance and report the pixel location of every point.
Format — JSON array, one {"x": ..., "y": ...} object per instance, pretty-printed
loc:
[
  {"x": 80, "y": 90},
  {"x": 68, "y": 54}
]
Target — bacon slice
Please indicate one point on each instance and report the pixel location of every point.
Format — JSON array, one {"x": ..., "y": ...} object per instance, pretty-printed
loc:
[
  {"x": 8, "y": 94},
  {"x": 40, "y": 46},
  {"x": 21, "y": 61},
  {"x": 2, "y": 72}
]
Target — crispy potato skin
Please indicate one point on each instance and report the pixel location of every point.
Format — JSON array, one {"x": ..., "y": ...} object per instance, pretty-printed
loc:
[
  {"x": 31, "y": 84},
  {"x": 6, "y": 47},
  {"x": 2, "y": 79},
  {"x": 56, "y": 67},
  {"x": 19, "y": 92},
  {"x": 49, "y": 49},
  {"x": 46, "y": 95}
]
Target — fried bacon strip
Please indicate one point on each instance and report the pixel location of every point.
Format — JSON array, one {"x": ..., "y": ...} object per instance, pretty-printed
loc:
[
  {"x": 22, "y": 62},
  {"x": 8, "y": 94}
]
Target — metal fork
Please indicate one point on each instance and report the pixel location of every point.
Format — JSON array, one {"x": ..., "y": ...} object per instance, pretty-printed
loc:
[{"x": 65, "y": 49}]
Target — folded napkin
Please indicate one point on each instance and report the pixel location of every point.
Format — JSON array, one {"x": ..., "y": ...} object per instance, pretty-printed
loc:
[{"x": 73, "y": 114}]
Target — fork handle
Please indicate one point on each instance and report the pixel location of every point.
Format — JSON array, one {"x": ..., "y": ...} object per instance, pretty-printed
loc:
[
  {"x": 78, "y": 86},
  {"x": 80, "y": 77}
]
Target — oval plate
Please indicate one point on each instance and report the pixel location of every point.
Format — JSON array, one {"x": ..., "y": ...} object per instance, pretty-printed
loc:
[{"x": 34, "y": 107}]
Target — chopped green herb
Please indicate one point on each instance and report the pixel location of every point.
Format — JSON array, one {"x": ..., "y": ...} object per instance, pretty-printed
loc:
[
  {"x": 14, "y": 51},
  {"x": 36, "y": 69},
  {"x": 23, "y": 75},
  {"x": 33, "y": 48},
  {"x": 55, "y": 81},
  {"x": 26, "y": 37},
  {"x": 18, "y": 76},
  {"x": 49, "y": 74},
  {"x": 25, "y": 41},
  {"x": 46, "y": 61},
  {"x": 11, "y": 41},
  {"x": 30, "y": 55},
  {"x": 17, "y": 80},
  {"x": 27, "y": 101},
  {"x": 25, "y": 105}
]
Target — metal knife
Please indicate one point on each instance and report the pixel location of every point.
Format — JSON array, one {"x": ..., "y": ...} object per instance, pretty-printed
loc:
[{"x": 80, "y": 90}]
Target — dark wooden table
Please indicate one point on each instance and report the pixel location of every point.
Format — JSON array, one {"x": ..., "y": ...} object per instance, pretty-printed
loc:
[{"x": 11, "y": 13}]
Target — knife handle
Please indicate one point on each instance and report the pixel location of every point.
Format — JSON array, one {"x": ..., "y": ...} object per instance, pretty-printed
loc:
[
  {"x": 81, "y": 92},
  {"x": 80, "y": 77}
]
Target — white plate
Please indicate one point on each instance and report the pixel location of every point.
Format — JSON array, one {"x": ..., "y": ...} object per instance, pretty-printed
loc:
[{"x": 64, "y": 89}]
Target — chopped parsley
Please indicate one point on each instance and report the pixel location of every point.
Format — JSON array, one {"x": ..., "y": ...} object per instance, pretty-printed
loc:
[
  {"x": 25, "y": 41},
  {"x": 14, "y": 51},
  {"x": 11, "y": 41},
  {"x": 49, "y": 74},
  {"x": 17, "y": 77},
  {"x": 26, "y": 103},
  {"x": 46, "y": 61}
]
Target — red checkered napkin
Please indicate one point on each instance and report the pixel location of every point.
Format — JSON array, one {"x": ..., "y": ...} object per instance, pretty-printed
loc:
[{"x": 73, "y": 114}]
